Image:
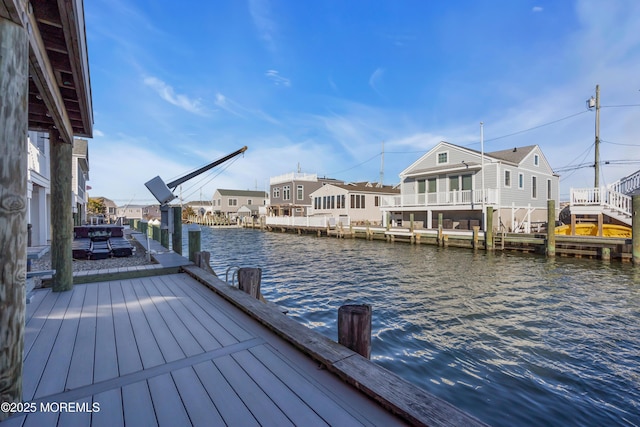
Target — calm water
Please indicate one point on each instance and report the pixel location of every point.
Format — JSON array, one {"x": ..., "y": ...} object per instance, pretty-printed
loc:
[{"x": 514, "y": 340}]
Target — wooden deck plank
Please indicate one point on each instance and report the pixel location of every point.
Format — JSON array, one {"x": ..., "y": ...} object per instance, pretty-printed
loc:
[
  {"x": 166, "y": 401},
  {"x": 147, "y": 345},
  {"x": 167, "y": 343},
  {"x": 231, "y": 407},
  {"x": 14, "y": 421},
  {"x": 137, "y": 406},
  {"x": 297, "y": 410},
  {"x": 211, "y": 321},
  {"x": 203, "y": 337},
  {"x": 202, "y": 411},
  {"x": 38, "y": 318},
  {"x": 202, "y": 295},
  {"x": 40, "y": 419},
  {"x": 258, "y": 402},
  {"x": 76, "y": 419},
  {"x": 52, "y": 381},
  {"x": 180, "y": 329},
  {"x": 37, "y": 296},
  {"x": 335, "y": 409},
  {"x": 111, "y": 412},
  {"x": 129, "y": 359},
  {"x": 81, "y": 368},
  {"x": 105, "y": 364}
]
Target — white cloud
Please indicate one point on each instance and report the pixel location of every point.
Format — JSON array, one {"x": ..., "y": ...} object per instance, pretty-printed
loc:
[
  {"x": 376, "y": 78},
  {"x": 537, "y": 9},
  {"x": 277, "y": 79},
  {"x": 167, "y": 93},
  {"x": 262, "y": 18}
]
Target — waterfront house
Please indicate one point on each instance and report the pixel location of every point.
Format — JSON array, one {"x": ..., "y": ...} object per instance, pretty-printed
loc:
[
  {"x": 290, "y": 193},
  {"x": 199, "y": 207},
  {"x": 460, "y": 183},
  {"x": 143, "y": 212},
  {"x": 353, "y": 203},
  {"x": 227, "y": 202},
  {"x": 79, "y": 178},
  {"x": 38, "y": 188}
]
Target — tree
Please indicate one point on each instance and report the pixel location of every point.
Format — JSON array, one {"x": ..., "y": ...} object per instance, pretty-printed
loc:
[
  {"x": 187, "y": 212},
  {"x": 96, "y": 206}
]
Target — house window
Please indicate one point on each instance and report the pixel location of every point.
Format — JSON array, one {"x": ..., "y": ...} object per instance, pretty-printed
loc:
[
  {"x": 286, "y": 192},
  {"x": 276, "y": 192},
  {"x": 548, "y": 189},
  {"x": 333, "y": 202},
  {"x": 454, "y": 183},
  {"x": 520, "y": 181},
  {"x": 507, "y": 178},
  {"x": 466, "y": 182},
  {"x": 376, "y": 201},
  {"x": 534, "y": 187},
  {"x": 443, "y": 157},
  {"x": 233, "y": 202},
  {"x": 219, "y": 202},
  {"x": 431, "y": 185},
  {"x": 249, "y": 201},
  {"x": 421, "y": 186},
  {"x": 324, "y": 202},
  {"x": 357, "y": 201},
  {"x": 536, "y": 160},
  {"x": 300, "y": 192}
]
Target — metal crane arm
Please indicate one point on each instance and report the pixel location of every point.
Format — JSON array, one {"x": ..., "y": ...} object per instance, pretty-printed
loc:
[{"x": 173, "y": 184}]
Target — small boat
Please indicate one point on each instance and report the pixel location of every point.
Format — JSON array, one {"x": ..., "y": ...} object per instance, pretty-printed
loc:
[{"x": 608, "y": 230}]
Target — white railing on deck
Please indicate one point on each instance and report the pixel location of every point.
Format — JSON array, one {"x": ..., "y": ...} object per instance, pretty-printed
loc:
[
  {"x": 298, "y": 221},
  {"x": 627, "y": 184},
  {"x": 446, "y": 198},
  {"x": 602, "y": 196}
]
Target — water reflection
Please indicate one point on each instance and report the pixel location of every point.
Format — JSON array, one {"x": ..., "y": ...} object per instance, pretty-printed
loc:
[{"x": 513, "y": 339}]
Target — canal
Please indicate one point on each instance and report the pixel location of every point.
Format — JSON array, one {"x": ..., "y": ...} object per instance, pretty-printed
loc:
[{"x": 515, "y": 340}]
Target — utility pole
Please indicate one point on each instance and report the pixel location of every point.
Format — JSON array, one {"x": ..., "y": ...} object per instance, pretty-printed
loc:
[
  {"x": 381, "y": 166},
  {"x": 596, "y": 103}
]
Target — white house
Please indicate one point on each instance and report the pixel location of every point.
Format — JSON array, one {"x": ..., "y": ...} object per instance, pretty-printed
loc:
[
  {"x": 460, "y": 183},
  {"x": 39, "y": 188},
  {"x": 352, "y": 203}
]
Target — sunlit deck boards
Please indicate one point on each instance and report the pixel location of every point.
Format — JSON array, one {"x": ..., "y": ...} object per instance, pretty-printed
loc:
[{"x": 165, "y": 350}]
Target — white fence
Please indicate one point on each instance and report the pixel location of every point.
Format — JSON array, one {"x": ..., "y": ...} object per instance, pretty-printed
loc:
[{"x": 299, "y": 221}]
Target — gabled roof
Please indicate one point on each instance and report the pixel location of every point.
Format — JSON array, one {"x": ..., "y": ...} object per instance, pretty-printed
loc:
[
  {"x": 243, "y": 193},
  {"x": 513, "y": 155},
  {"x": 367, "y": 187}
]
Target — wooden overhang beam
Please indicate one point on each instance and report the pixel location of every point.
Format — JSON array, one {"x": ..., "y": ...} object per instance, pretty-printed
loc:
[{"x": 58, "y": 66}]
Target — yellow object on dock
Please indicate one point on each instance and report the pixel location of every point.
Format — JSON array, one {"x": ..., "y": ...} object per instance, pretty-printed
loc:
[{"x": 608, "y": 230}]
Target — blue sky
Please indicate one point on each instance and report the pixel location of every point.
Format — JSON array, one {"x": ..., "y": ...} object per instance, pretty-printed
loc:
[{"x": 320, "y": 85}]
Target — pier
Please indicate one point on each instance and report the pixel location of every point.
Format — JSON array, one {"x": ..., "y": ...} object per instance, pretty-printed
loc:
[
  {"x": 173, "y": 344},
  {"x": 603, "y": 248}
]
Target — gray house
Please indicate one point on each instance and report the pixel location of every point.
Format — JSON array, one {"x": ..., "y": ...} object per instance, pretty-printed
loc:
[
  {"x": 290, "y": 193},
  {"x": 460, "y": 183},
  {"x": 228, "y": 202}
]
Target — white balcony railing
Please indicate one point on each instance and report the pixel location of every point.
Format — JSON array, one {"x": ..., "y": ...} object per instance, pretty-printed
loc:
[
  {"x": 603, "y": 196},
  {"x": 445, "y": 198}
]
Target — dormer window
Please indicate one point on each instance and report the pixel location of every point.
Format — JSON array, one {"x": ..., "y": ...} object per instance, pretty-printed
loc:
[{"x": 443, "y": 157}]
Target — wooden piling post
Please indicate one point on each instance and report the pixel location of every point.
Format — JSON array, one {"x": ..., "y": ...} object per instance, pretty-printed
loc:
[
  {"x": 440, "y": 239},
  {"x": 61, "y": 153},
  {"x": 488, "y": 232},
  {"x": 249, "y": 280},
  {"x": 194, "y": 242},
  {"x": 605, "y": 254},
  {"x": 411, "y": 217},
  {"x": 635, "y": 229},
  {"x": 164, "y": 237},
  {"x": 14, "y": 90},
  {"x": 476, "y": 232},
  {"x": 176, "y": 238},
  {"x": 551, "y": 228},
  {"x": 354, "y": 328}
]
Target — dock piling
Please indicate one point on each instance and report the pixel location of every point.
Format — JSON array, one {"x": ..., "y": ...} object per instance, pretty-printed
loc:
[
  {"x": 551, "y": 228},
  {"x": 354, "y": 328},
  {"x": 635, "y": 229},
  {"x": 194, "y": 242}
]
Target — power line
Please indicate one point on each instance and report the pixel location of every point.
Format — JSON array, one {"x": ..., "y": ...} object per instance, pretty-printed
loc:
[{"x": 536, "y": 127}]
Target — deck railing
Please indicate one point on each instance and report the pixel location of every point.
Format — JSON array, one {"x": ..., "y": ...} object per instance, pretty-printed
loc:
[
  {"x": 603, "y": 196},
  {"x": 444, "y": 198},
  {"x": 627, "y": 184}
]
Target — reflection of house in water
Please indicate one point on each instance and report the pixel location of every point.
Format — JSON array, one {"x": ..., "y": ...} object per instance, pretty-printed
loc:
[{"x": 448, "y": 180}]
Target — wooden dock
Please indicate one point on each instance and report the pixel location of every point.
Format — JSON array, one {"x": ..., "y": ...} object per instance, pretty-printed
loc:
[{"x": 188, "y": 349}]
